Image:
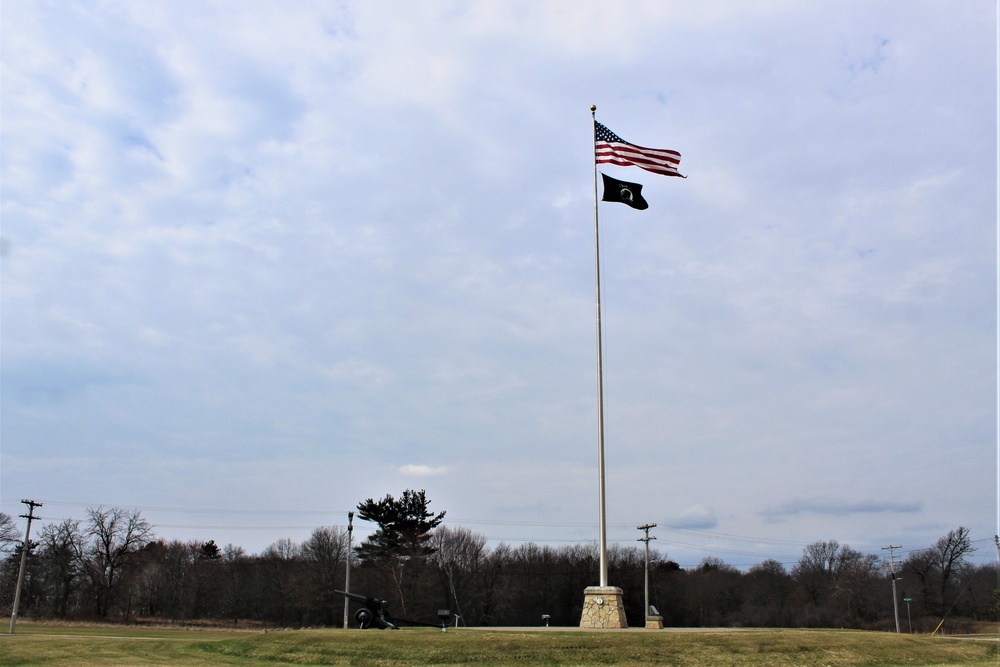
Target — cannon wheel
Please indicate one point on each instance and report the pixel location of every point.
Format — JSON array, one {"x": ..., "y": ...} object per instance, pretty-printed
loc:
[{"x": 363, "y": 618}]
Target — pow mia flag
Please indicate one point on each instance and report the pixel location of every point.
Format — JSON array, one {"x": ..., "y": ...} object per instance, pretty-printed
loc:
[{"x": 624, "y": 192}]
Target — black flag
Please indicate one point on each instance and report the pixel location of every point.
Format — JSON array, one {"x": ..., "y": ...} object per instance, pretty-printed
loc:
[{"x": 624, "y": 192}]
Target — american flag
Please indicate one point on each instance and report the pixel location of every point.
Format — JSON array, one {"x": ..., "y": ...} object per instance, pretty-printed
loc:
[{"x": 612, "y": 149}]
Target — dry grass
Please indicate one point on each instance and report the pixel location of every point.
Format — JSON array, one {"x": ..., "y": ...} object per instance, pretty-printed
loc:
[{"x": 101, "y": 645}]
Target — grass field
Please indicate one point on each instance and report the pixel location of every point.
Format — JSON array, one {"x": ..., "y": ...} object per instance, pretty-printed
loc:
[{"x": 56, "y": 645}]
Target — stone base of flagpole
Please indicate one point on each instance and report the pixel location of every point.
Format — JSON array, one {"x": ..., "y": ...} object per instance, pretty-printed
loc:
[{"x": 603, "y": 608}]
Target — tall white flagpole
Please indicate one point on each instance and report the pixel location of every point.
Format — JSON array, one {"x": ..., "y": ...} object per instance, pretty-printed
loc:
[
  {"x": 603, "y": 524},
  {"x": 602, "y": 604}
]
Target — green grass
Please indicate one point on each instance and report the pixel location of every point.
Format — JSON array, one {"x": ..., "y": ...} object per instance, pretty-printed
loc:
[{"x": 55, "y": 645}]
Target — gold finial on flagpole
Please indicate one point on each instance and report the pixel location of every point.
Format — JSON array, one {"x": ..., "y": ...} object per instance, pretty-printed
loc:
[{"x": 593, "y": 107}]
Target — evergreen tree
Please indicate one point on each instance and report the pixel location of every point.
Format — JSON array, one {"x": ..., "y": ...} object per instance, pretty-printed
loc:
[
  {"x": 404, "y": 527},
  {"x": 401, "y": 546}
]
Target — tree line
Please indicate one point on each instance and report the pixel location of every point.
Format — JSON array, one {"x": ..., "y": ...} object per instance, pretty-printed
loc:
[{"x": 111, "y": 566}]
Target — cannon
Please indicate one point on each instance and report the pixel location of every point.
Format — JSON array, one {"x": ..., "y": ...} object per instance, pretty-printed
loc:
[{"x": 372, "y": 613}]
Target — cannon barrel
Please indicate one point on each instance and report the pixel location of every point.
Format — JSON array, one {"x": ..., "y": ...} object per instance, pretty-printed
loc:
[{"x": 353, "y": 596}]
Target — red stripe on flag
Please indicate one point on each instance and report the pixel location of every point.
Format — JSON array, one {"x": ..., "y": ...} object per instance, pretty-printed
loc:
[{"x": 651, "y": 159}]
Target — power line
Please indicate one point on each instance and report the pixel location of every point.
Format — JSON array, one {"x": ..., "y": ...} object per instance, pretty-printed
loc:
[
  {"x": 711, "y": 545},
  {"x": 203, "y": 510},
  {"x": 459, "y": 521}
]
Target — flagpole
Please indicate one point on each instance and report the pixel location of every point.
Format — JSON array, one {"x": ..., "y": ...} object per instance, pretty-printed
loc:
[
  {"x": 603, "y": 525},
  {"x": 603, "y": 606}
]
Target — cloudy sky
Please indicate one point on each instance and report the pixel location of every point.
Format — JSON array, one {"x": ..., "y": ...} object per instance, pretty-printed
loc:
[{"x": 261, "y": 261}]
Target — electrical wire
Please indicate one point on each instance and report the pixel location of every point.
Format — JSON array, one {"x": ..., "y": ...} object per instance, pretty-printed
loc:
[{"x": 712, "y": 546}]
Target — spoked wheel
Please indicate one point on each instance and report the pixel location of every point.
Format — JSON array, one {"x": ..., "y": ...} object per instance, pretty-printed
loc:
[{"x": 363, "y": 618}]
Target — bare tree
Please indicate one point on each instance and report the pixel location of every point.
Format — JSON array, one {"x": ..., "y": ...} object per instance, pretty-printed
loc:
[
  {"x": 935, "y": 568},
  {"x": 8, "y": 533},
  {"x": 855, "y": 579},
  {"x": 949, "y": 554},
  {"x": 116, "y": 535},
  {"x": 236, "y": 593},
  {"x": 838, "y": 581},
  {"x": 495, "y": 596},
  {"x": 767, "y": 587},
  {"x": 280, "y": 569},
  {"x": 815, "y": 569},
  {"x": 62, "y": 555},
  {"x": 324, "y": 554},
  {"x": 458, "y": 554},
  {"x": 715, "y": 590}
]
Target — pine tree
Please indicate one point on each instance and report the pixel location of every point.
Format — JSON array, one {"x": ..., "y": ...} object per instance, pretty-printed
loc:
[
  {"x": 404, "y": 527},
  {"x": 401, "y": 547}
]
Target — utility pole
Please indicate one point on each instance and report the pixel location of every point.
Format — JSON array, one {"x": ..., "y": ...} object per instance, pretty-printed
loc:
[
  {"x": 996, "y": 538},
  {"x": 347, "y": 577},
  {"x": 646, "y": 527},
  {"x": 25, "y": 548},
  {"x": 892, "y": 571}
]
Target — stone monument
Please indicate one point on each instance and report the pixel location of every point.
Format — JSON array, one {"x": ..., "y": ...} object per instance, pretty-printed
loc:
[{"x": 603, "y": 608}]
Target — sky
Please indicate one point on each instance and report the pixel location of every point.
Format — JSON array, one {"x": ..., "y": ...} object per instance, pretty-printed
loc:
[{"x": 262, "y": 261}]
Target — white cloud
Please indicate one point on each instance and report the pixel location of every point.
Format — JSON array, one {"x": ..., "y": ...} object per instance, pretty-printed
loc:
[
  {"x": 423, "y": 470},
  {"x": 352, "y": 236}
]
